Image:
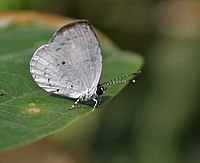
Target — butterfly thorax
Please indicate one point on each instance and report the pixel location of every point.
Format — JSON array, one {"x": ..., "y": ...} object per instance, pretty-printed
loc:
[{"x": 93, "y": 94}]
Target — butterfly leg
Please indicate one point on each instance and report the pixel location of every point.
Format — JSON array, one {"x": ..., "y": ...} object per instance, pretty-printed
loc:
[
  {"x": 76, "y": 102},
  {"x": 97, "y": 103}
]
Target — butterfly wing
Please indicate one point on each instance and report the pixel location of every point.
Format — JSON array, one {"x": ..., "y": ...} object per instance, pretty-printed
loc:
[{"x": 71, "y": 63}]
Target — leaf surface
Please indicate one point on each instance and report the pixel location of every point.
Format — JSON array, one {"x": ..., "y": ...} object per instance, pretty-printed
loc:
[{"x": 27, "y": 112}]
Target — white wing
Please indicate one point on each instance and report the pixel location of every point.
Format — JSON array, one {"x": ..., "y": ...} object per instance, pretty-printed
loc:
[{"x": 71, "y": 63}]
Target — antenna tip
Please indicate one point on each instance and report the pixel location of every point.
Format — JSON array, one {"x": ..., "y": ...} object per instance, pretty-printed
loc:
[{"x": 133, "y": 81}]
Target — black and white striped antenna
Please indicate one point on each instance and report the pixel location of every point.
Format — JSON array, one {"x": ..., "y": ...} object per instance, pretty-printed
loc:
[{"x": 121, "y": 79}]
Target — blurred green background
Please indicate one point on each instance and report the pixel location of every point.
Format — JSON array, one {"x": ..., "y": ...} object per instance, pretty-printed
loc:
[{"x": 156, "y": 120}]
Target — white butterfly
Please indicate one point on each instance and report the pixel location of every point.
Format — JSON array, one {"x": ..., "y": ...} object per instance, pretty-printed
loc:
[{"x": 71, "y": 63}]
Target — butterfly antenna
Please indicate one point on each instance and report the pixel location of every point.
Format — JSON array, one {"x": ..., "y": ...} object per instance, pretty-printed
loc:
[{"x": 121, "y": 79}]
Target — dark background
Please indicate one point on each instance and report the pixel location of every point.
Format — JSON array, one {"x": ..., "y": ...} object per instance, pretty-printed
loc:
[{"x": 156, "y": 120}]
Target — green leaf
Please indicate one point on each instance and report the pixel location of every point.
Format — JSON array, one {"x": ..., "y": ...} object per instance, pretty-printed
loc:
[{"x": 27, "y": 112}]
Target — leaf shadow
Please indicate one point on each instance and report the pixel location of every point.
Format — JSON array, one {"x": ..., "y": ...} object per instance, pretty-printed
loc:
[{"x": 89, "y": 103}]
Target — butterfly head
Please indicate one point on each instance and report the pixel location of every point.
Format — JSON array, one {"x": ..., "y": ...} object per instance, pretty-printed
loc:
[{"x": 100, "y": 89}]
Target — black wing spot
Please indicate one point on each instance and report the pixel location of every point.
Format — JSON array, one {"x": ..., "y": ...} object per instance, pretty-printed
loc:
[
  {"x": 63, "y": 63},
  {"x": 58, "y": 49},
  {"x": 49, "y": 80},
  {"x": 1, "y": 94},
  {"x": 57, "y": 90},
  {"x": 62, "y": 44},
  {"x": 72, "y": 86}
]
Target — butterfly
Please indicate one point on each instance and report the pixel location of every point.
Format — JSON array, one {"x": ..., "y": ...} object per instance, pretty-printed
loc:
[{"x": 71, "y": 64}]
